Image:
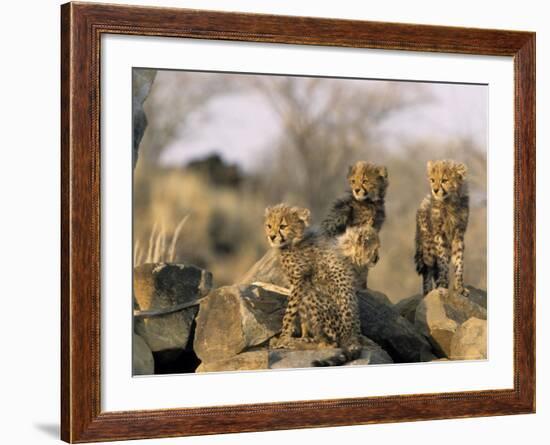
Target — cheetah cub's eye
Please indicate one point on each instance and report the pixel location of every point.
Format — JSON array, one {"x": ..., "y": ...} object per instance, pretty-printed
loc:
[
  {"x": 282, "y": 226},
  {"x": 268, "y": 226},
  {"x": 444, "y": 180}
]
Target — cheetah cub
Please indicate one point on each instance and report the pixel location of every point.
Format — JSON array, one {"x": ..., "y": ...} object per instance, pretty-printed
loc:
[
  {"x": 362, "y": 207},
  {"x": 322, "y": 292},
  {"x": 360, "y": 246},
  {"x": 441, "y": 223}
]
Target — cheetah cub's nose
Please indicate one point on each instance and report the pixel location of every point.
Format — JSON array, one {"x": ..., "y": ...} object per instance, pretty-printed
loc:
[{"x": 272, "y": 237}]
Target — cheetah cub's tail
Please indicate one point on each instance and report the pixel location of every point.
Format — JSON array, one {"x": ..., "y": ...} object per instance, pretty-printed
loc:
[{"x": 347, "y": 355}]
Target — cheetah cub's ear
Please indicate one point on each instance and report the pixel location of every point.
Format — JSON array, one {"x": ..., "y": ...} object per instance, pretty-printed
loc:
[
  {"x": 429, "y": 166},
  {"x": 351, "y": 170},
  {"x": 383, "y": 172},
  {"x": 267, "y": 210},
  {"x": 302, "y": 214},
  {"x": 461, "y": 170}
]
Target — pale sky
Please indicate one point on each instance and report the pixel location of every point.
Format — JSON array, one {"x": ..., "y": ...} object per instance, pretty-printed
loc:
[{"x": 241, "y": 126}]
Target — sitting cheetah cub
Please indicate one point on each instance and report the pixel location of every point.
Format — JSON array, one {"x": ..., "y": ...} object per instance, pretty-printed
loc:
[
  {"x": 441, "y": 223},
  {"x": 322, "y": 289},
  {"x": 363, "y": 206},
  {"x": 360, "y": 245}
]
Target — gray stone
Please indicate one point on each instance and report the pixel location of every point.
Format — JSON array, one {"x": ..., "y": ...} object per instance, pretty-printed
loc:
[
  {"x": 439, "y": 315},
  {"x": 235, "y": 318},
  {"x": 160, "y": 287},
  {"x": 284, "y": 358},
  {"x": 407, "y": 307},
  {"x": 141, "y": 86},
  {"x": 470, "y": 340},
  {"x": 142, "y": 357},
  {"x": 478, "y": 296},
  {"x": 382, "y": 323}
]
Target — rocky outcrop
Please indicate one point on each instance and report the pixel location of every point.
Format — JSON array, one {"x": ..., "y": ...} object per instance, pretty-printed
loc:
[
  {"x": 142, "y": 357},
  {"x": 167, "y": 297},
  {"x": 180, "y": 320},
  {"x": 381, "y": 322},
  {"x": 235, "y": 323},
  {"x": 440, "y": 314},
  {"x": 235, "y": 318},
  {"x": 470, "y": 340}
]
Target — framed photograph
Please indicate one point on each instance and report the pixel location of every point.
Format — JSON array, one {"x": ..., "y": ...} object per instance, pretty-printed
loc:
[{"x": 274, "y": 222}]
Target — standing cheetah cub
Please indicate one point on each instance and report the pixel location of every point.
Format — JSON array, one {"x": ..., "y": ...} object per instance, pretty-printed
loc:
[
  {"x": 322, "y": 289},
  {"x": 441, "y": 223},
  {"x": 362, "y": 207}
]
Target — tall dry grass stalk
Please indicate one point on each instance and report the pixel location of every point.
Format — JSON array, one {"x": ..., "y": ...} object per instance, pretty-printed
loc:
[{"x": 157, "y": 251}]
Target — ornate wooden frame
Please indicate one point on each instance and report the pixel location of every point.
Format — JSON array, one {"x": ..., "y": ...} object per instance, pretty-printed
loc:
[{"x": 81, "y": 28}]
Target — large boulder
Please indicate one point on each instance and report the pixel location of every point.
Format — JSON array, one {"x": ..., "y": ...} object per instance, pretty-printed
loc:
[
  {"x": 407, "y": 307},
  {"x": 159, "y": 290},
  {"x": 142, "y": 357},
  {"x": 235, "y": 318},
  {"x": 441, "y": 312},
  {"x": 470, "y": 340},
  {"x": 381, "y": 322}
]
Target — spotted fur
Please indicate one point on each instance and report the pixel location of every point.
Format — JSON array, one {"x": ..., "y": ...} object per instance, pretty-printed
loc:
[
  {"x": 441, "y": 223},
  {"x": 362, "y": 207},
  {"x": 361, "y": 246},
  {"x": 322, "y": 292}
]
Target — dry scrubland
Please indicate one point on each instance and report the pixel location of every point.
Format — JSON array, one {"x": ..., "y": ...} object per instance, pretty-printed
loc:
[
  {"x": 216, "y": 210},
  {"x": 221, "y": 225}
]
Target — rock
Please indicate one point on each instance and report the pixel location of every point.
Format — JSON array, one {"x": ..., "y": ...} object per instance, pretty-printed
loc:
[
  {"x": 142, "y": 357},
  {"x": 439, "y": 315},
  {"x": 470, "y": 340},
  {"x": 235, "y": 318},
  {"x": 245, "y": 361},
  {"x": 478, "y": 296},
  {"x": 380, "y": 297},
  {"x": 141, "y": 86},
  {"x": 159, "y": 287},
  {"x": 407, "y": 307},
  {"x": 382, "y": 323},
  {"x": 284, "y": 358},
  {"x": 266, "y": 270}
]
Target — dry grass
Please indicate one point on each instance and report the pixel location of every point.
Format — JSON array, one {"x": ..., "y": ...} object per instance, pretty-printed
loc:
[
  {"x": 157, "y": 250},
  {"x": 180, "y": 216},
  {"x": 220, "y": 227}
]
